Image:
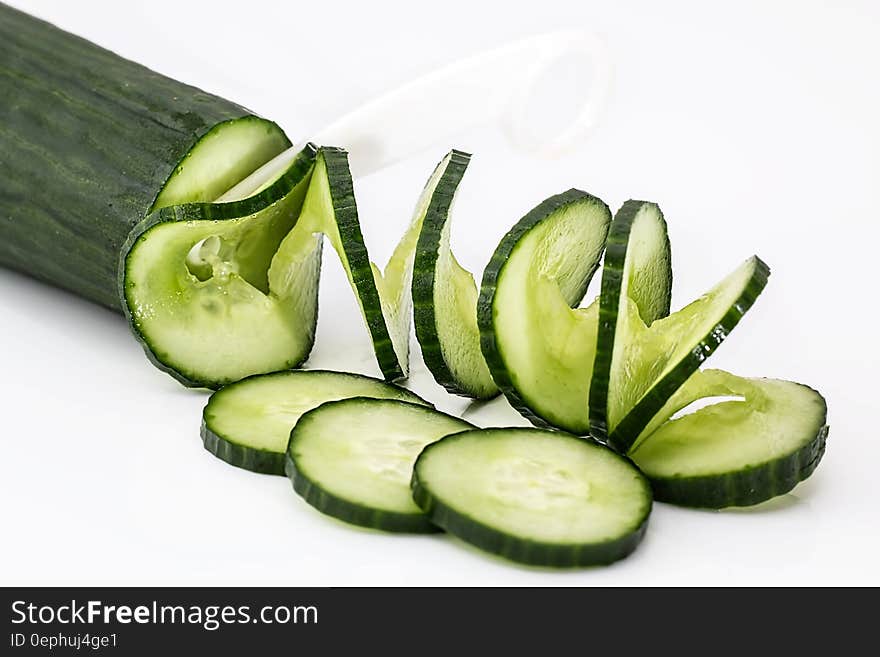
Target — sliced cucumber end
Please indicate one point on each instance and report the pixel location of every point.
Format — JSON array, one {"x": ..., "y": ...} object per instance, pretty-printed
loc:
[
  {"x": 226, "y": 154},
  {"x": 202, "y": 289}
]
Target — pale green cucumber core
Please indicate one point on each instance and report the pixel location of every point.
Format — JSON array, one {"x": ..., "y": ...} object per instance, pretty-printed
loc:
[
  {"x": 228, "y": 153},
  {"x": 455, "y": 304},
  {"x": 646, "y": 269}
]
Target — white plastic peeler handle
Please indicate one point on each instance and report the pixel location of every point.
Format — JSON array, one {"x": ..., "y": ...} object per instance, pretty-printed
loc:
[
  {"x": 496, "y": 86},
  {"x": 493, "y": 86}
]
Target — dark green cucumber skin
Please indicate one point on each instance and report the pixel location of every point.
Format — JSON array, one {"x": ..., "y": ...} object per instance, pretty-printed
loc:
[
  {"x": 625, "y": 434},
  {"x": 485, "y": 320},
  {"x": 612, "y": 283},
  {"x": 345, "y": 210},
  {"x": 87, "y": 140},
  {"x": 524, "y": 551},
  {"x": 355, "y": 514},
  {"x": 745, "y": 487},
  {"x": 297, "y": 171},
  {"x": 261, "y": 461},
  {"x": 424, "y": 274},
  {"x": 347, "y": 510}
]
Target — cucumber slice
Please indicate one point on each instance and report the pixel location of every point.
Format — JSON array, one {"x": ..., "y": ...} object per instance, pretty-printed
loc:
[
  {"x": 352, "y": 459},
  {"x": 248, "y": 424},
  {"x": 445, "y": 297},
  {"x": 211, "y": 291},
  {"x": 644, "y": 274},
  {"x": 384, "y": 300},
  {"x": 733, "y": 453},
  {"x": 538, "y": 497},
  {"x": 538, "y": 345}
]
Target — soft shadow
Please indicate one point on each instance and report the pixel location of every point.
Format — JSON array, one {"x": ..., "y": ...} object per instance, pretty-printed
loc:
[
  {"x": 476, "y": 405},
  {"x": 174, "y": 387},
  {"x": 33, "y": 295},
  {"x": 560, "y": 571},
  {"x": 774, "y": 504},
  {"x": 800, "y": 495}
]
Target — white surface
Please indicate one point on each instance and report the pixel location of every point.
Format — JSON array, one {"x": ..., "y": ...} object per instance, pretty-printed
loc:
[{"x": 753, "y": 125}]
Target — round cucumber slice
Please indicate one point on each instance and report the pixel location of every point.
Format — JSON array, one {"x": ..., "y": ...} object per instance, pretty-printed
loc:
[
  {"x": 538, "y": 345},
  {"x": 248, "y": 424},
  {"x": 352, "y": 459},
  {"x": 738, "y": 452},
  {"x": 535, "y": 496}
]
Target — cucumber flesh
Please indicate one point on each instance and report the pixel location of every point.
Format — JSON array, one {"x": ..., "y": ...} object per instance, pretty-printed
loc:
[
  {"x": 445, "y": 296},
  {"x": 649, "y": 363},
  {"x": 733, "y": 453},
  {"x": 539, "y": 347},
  {"x": 211, "y": 291},
  {"x": 226, "y": 154},
  {"x": 647, "y": 273},
  {"x": 534, "y": 496},
  {"x": 248, "y": 424},
  {"x": 352, "y": 459}
]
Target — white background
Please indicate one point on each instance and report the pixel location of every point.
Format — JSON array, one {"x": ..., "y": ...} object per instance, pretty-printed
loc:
[{"x": 754, "y": 125}]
